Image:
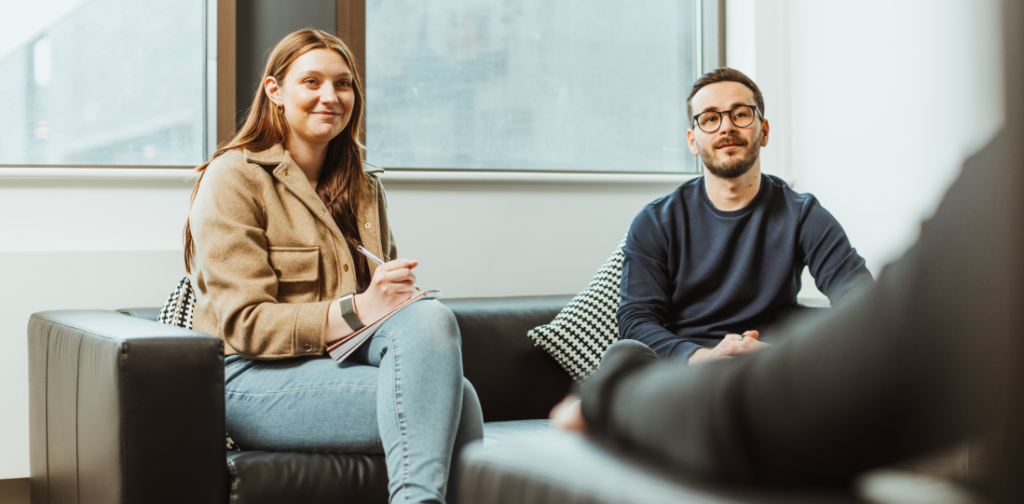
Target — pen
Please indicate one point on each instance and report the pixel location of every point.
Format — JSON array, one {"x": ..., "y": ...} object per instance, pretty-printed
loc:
[{"x": 377, "y": 260}]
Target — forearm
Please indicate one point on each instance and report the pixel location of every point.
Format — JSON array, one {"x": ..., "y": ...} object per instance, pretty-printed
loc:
[
  {"x": 638, "y": 325},
  {"x": 337, "y": 327},
  {"x": 271, "y": 330},
  {"x": 855, "y": 284}
]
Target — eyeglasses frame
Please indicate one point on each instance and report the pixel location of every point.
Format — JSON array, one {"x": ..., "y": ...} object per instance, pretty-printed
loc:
[{"x": 757, "y": 112}]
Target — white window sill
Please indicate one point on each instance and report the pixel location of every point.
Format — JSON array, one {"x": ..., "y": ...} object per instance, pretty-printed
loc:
[{"x": 183, "y": 174}]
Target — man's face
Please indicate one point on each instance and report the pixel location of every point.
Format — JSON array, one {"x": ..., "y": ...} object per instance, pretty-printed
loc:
[{"x": 730, "y": 151}]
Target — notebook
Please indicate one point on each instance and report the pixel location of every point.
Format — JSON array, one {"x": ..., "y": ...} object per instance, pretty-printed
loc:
[{"x": 343, "y": 348}]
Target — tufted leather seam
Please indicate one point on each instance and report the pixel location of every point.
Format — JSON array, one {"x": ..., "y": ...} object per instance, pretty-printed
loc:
[
  {"x": 78, "y": 385},
  {"x": 123, "y": 357},
  {"x": 46, "y": 412},
  {"x": 234, "y": 481}
]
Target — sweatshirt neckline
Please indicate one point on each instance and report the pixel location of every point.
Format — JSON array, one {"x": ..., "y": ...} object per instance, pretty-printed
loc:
[{"x": 734, "y": 213}]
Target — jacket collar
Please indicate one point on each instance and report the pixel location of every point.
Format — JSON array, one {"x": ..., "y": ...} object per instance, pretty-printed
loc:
[
  {"x": 279, "y": 163},
  {"x": 276, "y": 155}
]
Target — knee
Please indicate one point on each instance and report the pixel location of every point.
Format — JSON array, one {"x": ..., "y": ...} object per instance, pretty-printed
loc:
[
  {"x": 472, "y": 418},
  {"x": 623, "y": 348},
  {"x": 470, "y": 401},
  {"x": 434, "y": 321}
]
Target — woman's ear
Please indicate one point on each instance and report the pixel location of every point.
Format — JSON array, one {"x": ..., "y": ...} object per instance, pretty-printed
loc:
[{"x": 273, "y": 90}]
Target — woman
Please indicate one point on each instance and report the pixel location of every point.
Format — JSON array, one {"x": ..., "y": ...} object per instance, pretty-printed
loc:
[{"x": 270, "y": 246}]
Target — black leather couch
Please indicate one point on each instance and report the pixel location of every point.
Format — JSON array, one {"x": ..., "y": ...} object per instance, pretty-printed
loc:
[{"x": 124, "y": 409}]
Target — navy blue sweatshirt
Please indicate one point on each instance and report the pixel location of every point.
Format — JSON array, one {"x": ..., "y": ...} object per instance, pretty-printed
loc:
[{"x": 693, "y": 273}]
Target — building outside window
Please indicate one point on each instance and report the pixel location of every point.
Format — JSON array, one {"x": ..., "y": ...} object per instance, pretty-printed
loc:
[
  {"x": 103, "y": 83},
  {"x": 573, "y": 85}
]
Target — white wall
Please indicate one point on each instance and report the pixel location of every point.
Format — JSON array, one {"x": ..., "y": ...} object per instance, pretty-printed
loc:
[
  {"x": 906, "y": 73},
  {"x": 94, "y": 244}
]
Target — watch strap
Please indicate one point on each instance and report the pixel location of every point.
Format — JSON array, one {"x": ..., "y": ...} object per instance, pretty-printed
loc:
[{"x": 348, "y": 312}]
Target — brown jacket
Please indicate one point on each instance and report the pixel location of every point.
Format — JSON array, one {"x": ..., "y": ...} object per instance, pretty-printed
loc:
[{"x": 269, "y": 258}]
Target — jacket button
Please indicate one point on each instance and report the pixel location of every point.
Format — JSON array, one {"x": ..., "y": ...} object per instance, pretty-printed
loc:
[
  {"x": 309, "y": 348},
  {"x": 344, "y": 267},
  {"x": 285, "y": 172},
  {"x": 367, "y": 224}
]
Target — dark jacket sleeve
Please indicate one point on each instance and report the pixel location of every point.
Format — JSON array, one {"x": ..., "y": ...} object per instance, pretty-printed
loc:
[
  {"x": 839, "y": 271},
  {"x": 878, "y": 379},
  {"x": 646, "y": 289}
]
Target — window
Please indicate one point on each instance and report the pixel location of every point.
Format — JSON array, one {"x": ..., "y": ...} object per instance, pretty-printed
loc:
[
  {"x": 574, "y": 85},
  {"x": 103, "y": 83}
]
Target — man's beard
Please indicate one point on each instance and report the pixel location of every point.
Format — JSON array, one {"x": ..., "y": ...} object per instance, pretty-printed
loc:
[{"x": 732, "y": 168}]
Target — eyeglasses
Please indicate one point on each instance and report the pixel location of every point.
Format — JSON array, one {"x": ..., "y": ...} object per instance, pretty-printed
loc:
[{"x": 741, "y": 117}]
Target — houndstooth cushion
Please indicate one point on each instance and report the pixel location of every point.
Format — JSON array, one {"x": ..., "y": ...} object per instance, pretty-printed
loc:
[
  {"x": 177, "y": 311},
  {"x": 180, "y": 306},
  {"x": 583, "y": 330}
]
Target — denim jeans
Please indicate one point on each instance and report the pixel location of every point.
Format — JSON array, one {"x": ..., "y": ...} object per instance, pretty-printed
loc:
[{"x": 401, "y": 394}]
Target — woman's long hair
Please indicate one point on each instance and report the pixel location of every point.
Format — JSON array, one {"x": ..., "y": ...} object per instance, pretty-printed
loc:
[{"x": 342, "y": 183}]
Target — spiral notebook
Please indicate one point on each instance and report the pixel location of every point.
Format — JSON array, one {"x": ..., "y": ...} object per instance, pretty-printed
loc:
[{"x": 343, "y": 348}]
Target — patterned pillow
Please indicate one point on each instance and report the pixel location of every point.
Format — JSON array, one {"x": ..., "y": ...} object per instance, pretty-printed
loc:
[
  {"x": 177, "y": 311},
  {"x": 180, "y": 306},
  {"x": 583, "y": 330}
]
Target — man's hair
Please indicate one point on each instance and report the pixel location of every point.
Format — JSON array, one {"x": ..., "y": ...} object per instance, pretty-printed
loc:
[{"x": 724, "y": 74}]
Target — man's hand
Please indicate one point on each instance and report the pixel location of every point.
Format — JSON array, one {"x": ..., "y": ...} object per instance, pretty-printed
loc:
[
  {"x": 732, "y": 344},
  {"x": 568, "y": 415}
]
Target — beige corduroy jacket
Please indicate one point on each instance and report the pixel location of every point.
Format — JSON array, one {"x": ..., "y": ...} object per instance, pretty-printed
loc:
[{"x": 269, "y": 259}]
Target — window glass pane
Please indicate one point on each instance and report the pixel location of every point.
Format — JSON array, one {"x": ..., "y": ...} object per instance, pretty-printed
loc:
[
  {"x": 102, "y": 82},
  {"x": 589, "y": 85}
]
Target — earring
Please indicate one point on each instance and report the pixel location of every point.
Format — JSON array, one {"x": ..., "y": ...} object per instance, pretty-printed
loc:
[{"x": 280, "y": 108}]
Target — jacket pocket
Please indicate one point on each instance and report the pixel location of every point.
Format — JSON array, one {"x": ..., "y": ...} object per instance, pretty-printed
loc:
[{"x": 298, "y": 273}]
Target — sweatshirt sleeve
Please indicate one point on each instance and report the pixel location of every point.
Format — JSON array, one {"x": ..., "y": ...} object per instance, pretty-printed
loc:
[
  {"x": 838, "y": 270},
  {"x": 646, "y": 289},
  {"x": 232, "y": 257}
]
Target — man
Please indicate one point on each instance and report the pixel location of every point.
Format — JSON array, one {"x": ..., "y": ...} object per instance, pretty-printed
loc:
[{"x": 719, "y": 260}]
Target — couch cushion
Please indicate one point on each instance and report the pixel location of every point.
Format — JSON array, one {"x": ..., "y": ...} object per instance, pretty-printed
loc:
[
  {"x": 270, "y": 477},
  {"x": 147, "y": 312},
  {"x": 578, "y": 337},
  {"x": 266, "y": 477},
  {"x": 514, "y": 379},
  {"x": 553, "y": 466},
  {"x": 500, "y": 433}
]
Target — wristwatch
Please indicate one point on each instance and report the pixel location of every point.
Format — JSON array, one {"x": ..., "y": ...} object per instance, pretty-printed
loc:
[{"x": 348, "y": 311}]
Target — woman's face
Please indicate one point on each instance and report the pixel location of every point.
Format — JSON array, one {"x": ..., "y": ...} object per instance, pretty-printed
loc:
[{"x": 317, "y": 95}]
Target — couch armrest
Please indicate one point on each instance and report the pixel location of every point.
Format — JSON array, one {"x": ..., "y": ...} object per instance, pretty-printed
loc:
[
  {"x": 124, "y": 410},
  {"x": 555, "y": 467}
]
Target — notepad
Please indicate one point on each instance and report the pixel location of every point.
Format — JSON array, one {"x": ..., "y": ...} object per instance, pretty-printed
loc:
[{"x": 343, "y": 348}]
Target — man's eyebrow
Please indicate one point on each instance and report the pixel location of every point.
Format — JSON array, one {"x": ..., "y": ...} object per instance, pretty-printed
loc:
[{"x": 734, "y": 105}]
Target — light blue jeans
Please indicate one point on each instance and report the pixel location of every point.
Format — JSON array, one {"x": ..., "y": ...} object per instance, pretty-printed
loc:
[{"x": 401, "y": 394}]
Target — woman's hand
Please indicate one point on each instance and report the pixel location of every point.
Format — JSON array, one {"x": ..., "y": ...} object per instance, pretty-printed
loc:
[{"x": 392, "y": 283}]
